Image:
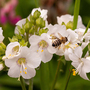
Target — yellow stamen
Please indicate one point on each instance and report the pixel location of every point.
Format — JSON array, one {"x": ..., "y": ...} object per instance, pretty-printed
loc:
[
  {"x": 42, "y": 50},
  {"x": 20, "y": 71},
  {"x": 37, "y": 50},
  {"x": 25, "y": 68},
  {"x": 25, "y": 72},
  {"x": 74, "y": 72}
]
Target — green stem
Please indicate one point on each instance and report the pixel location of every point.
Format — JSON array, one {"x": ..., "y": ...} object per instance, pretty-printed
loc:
[
  {"x": 22, "y": 83},
  {"x": 44, "y": 76},
  {"x": 31, "y": 84},
  {"x": 76, "y": 13},
  {"x": 56, "y": 76},
  {"x": 68, "y": 78}
]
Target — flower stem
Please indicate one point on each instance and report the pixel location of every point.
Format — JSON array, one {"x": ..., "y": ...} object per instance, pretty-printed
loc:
[
  {"x": 31, "y": 84},
  {"x": 56, "y": 76},
  {"x": 68, "y": 78},
  {"x": 22, "y": 83}
]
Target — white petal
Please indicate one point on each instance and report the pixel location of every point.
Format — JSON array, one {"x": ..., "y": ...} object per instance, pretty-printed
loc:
[
  {"x": 86, "y": 66},
  {"x": 52, "y": 49},
  {"x": 73, "y": 57},
  {"x": 10, "y": 62},
  {"x": 78, "y": 52},
  {"x": 14, "y": 71},
  {"x": 75, "y": 64},
  {"x": 34, "y": 39},
  {"x": 46, "y": 56},
  {"x": 83, "y": 74},
  {"x": 30, "y": 73},
  {"x": 34, "y": 60}
]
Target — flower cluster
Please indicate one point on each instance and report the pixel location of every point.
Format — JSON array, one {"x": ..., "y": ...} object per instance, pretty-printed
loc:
[{"x": 35, "y": 40}]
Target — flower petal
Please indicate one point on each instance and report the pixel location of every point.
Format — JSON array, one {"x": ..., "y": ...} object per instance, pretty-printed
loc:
[
  {"x": 14, "y": 71},
  {"x": 34, "y": 60},
  {"x": 30, "y": 73}
]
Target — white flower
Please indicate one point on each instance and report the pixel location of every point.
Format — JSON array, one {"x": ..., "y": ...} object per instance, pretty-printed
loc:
[
  {"x": 87, "y": 35},
  {"x": 60, "y": 31},
  {"x": 12, "y": 50},
  {"x": 66, "y": 18},
  {"x": 1, "y": 66},
  {"x": 23, "y": 65},
  {"x": 82, "y": 65},
  {"x": 43, "y": 12},
  {"x": 80, "y": 32},
  {"x": 1, "y": 35},
  {"x": 43, "y": 46}
]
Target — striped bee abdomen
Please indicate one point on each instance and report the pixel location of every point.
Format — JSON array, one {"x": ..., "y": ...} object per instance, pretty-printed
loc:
[{"x": 56, "y": 43}]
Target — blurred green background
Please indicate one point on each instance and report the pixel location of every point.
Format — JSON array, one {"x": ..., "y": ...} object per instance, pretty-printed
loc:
[{"x": 55, "y": 8}]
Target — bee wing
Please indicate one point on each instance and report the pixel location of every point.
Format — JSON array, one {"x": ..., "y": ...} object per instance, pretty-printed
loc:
[{"x": 59, "y": 35}]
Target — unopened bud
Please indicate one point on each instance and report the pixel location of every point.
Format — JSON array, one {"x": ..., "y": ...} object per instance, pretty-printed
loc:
[
  {"x": 36, "y": 14},
  {"x": 40, "y": 22}
]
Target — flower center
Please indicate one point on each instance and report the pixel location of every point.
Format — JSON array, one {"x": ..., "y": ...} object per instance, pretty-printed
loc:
[
  {"x": 69, "y": 25},
  {"x": 43, "y": 44},
  {"x": 21, "y": 61},
  {"x": 14, "y": 51}
]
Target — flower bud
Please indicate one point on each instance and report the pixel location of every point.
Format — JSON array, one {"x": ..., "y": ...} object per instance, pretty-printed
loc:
[
  {"x": 3, "y": 45},
  {"x": 26, "y": 26},
  {"x": 36, "y": 14},
  {"x": 32, "y": 19},
  {"x": 40, "y": 22},
  {"x": 23, "y": 43},
  {"x": 43, "y": 31},
  {"x": 14, "y": 39}
]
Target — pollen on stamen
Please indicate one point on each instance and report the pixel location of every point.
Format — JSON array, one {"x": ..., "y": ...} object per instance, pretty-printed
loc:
[
  {"x": 42, "y": 50},
  {"x": 74, "y": 72},
  {"x": 25, "y": 72},
  {"x": 20, "y": 71},
  {"x": 37, "y": 50},
  {"x": 25, "y": 68}
]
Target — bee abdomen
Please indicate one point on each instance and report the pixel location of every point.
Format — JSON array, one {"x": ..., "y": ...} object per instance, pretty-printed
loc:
[{"x": 56, "y": 43}]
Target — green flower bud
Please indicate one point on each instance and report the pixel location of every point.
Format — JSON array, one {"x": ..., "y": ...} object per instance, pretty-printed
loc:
[
  {"x": 43, "y": 31},
  {"x": 32, "y": 19},
  {"x": 69, "y": 25},
  {"x": 3, "y": 45},
  {"x": 36, "y": 14},
  {"x": 21, "y": 30},
  {"x": 23, "y": 43},
  {"x": 26, "y": 26},
  {"x": 14, "y": 39},
  {"x": 2, "y": 51},
  {"x": 18, "y": 36},
  {"x": 40, "y": 22}
]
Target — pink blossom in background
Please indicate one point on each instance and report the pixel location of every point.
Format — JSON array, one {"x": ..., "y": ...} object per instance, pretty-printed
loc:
[{"x": 7, "y": 12}]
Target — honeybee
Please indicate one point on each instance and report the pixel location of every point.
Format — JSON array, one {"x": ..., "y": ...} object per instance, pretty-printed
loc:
[{"x": 59, "y": 41}]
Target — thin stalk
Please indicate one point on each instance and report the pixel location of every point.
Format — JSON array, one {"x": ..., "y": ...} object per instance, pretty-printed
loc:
[
  {"x": 76, "y": 13},
  {"x": 68, "y": 78},
  {"x": 31, "y": 84},
  {"x": 22, "y": 83},
  {"x": 56, "y": 76}
]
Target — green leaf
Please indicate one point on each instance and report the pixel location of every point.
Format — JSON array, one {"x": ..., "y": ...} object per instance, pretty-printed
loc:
[{"x": 76, "y": 13}]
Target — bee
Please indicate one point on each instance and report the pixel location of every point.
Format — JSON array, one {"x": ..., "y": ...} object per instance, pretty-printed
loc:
[{"x": 59, "y": 41}]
